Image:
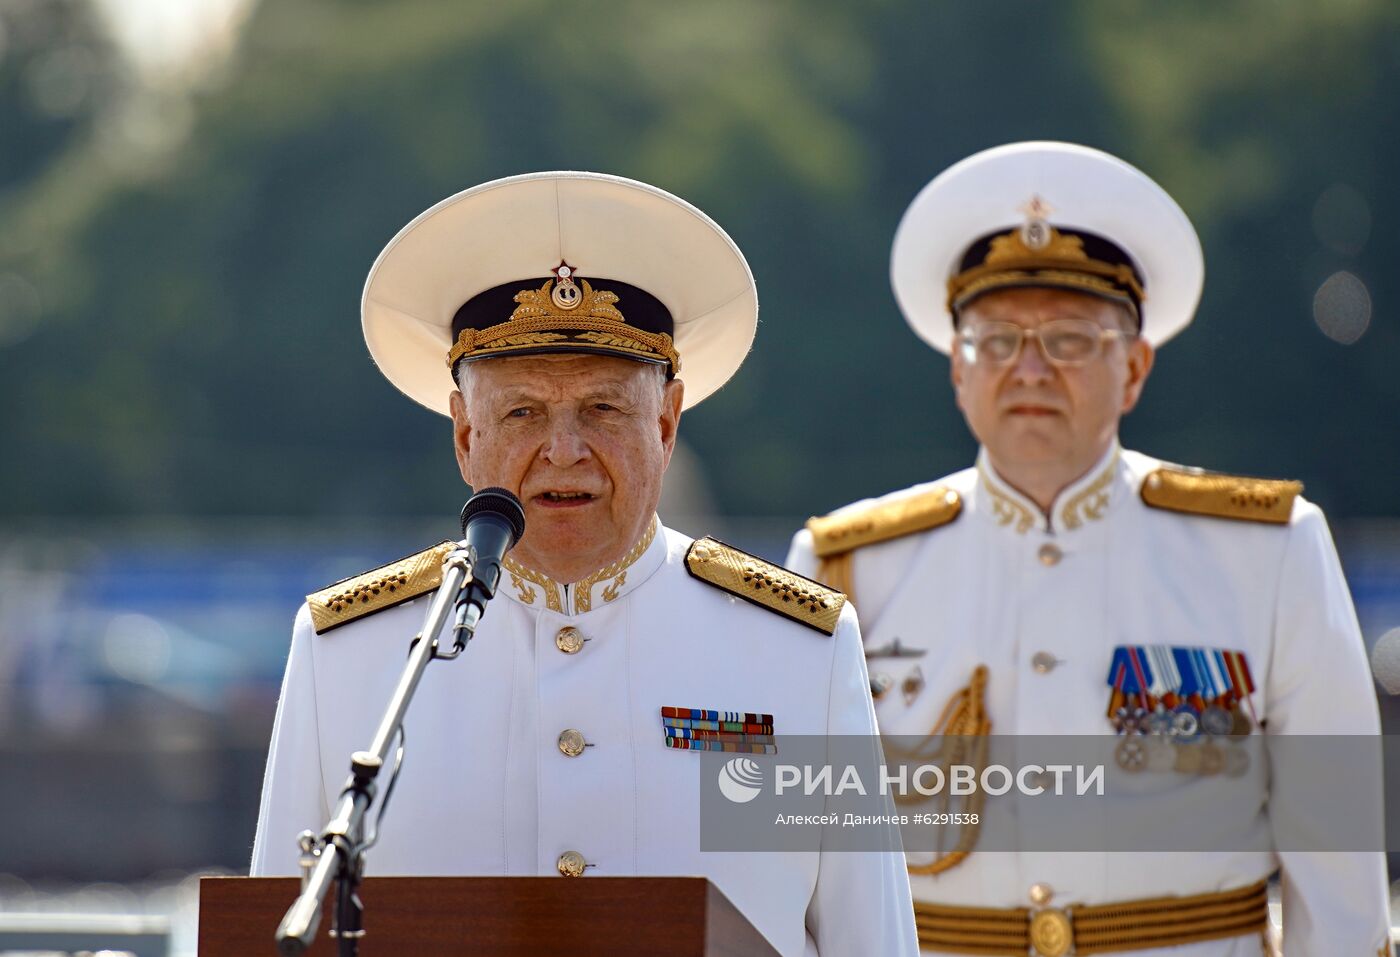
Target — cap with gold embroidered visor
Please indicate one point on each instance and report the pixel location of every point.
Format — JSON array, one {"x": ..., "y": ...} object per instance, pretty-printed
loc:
[
  {"x": 1045, "y": 214},
  {"x": 559, "y": 262}
]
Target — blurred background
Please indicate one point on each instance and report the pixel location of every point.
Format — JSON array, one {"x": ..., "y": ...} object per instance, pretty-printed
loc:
[{"x": 191, "y": 192}]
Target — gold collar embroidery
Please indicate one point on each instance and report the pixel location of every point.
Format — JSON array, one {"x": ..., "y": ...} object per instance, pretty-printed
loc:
[
  {"x": 1005, "y": 509},
  {"x": 1088, "y": 499},
  {"x": 1091, "y": 501},
  {"x": 554, "y": 593}
]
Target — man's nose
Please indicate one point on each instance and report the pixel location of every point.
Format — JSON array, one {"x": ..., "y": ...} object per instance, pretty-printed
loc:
[
  {"x": 565, "y": 445},
  {"x": 1031, "y": 365}
]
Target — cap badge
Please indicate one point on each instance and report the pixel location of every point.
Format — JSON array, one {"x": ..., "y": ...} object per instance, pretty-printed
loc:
[
  {"x": 1036, "y": 232},
  {"x": 566, "y": 294},
  {"x": 588, "y": 304}
]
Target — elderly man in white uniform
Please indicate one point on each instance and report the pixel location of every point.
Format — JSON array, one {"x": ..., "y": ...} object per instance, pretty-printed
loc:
[
  {"x": 579, "y": 314},
  {"x": 1067, "y": 586}
]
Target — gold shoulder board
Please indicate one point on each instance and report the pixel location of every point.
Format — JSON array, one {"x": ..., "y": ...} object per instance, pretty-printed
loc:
[
  {"x": 377, "y": 589},
  {"x": 766, "y": 584},
  {"x": 836, "y": 534},
  {"x": 1197, "y": 492}
]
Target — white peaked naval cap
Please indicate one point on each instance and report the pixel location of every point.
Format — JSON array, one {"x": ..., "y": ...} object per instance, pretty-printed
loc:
[
  {"x": 1045, "y": 214},
  {"x": 559, "y": 262}
]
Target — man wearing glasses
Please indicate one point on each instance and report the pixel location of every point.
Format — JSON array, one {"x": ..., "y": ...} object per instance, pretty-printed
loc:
[{"x": 1065, "y": 586}]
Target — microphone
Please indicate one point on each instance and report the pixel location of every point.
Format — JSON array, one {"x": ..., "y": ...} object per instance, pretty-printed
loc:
[
  {"x": 492, "y": 522},
  {"x": 1385, "y": 661}
]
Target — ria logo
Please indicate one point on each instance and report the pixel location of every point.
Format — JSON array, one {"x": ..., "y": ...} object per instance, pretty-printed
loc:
[{"x": 740, "y": 780}]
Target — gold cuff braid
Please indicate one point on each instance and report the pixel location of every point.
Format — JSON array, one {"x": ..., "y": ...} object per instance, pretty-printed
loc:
[{"x": 516, "y": 334}]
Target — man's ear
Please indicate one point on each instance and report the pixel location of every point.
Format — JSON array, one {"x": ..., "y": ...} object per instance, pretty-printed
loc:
[
  {"x": 955, "y": 375},
  {"x": 1141, "y": 355},
  {"x": 672, "y": 398},
  {"x": 461, "y": 434}
]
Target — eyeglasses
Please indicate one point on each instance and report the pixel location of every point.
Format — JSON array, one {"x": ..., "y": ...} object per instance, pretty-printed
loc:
[{"x": 1063, "y": 342}]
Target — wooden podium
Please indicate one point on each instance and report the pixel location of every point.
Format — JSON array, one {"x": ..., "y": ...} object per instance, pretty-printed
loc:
[{"x": 493, "y": 917}]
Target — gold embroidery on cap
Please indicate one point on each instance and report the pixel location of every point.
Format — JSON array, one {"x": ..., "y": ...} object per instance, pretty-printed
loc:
[
  {"x": 597, "y": 303},
  {"x": 998, "y": 280},
  {"x": 1013, "y": 247},
  {"x": 536, "y": 321},
  {"x": 1061, "y": 259}
]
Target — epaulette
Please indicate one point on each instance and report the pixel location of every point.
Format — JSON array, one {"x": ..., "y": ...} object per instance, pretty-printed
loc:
[
  {"x": 847, "y": 531},
  {"x": 1177, "y": 488},
  {"x": 763, "y": 583},
  {"x": 377, "y": 589}
]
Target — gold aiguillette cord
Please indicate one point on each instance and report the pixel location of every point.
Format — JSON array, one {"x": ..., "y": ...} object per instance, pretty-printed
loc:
[{"x": 964, "y": 727}]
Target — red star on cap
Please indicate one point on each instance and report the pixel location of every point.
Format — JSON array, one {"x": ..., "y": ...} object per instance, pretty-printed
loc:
[{"x": 1037, "y": 208}]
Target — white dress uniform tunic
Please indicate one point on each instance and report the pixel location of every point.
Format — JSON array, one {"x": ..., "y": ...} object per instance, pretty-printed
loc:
[
  {"x": 1042, "y": 601},
  {"x": 543, "y": 747}
]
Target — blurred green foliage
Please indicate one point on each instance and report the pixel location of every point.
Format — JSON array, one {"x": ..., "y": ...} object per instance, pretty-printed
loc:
[{"x": 190, "y": 340}]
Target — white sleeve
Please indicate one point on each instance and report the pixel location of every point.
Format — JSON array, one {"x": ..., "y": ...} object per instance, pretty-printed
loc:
[
  {"x": 802, "y": 555},
  {"x": 293, "y": 799},
  {"x": 861, "y": 903},
  {"x": 1319, "y": 683}
]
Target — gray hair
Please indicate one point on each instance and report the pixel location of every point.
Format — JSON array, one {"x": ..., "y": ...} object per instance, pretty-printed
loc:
[{"x": 659, "y": 378}]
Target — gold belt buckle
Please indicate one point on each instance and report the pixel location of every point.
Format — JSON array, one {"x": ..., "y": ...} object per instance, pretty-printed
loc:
[{"x": 1052, "y": 935}]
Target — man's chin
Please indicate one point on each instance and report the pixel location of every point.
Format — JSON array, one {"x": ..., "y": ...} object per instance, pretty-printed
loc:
[
  {"x": 564, "y": 530},
  {"x": 1030, "y": 448},
  {"x": 559, "y": 519}
]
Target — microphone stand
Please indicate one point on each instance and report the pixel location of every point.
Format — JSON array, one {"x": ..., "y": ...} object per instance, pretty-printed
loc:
[{"x": 337, "y": 856}]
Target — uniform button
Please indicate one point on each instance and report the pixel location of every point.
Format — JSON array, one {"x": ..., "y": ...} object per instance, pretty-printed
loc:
[
  {"x": 1049, "y": 554},
  {"x": 569, "y": 640},
  {"x": 1040, "y": 893},
  {"x": 1043, "y": 662},
  {"x": 571, "y": 864},
  {"x": 571, "y": 742}
]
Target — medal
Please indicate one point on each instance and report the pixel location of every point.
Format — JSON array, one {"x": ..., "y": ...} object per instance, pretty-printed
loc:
[
  {"x": 1128, "y": 678},
  {"x": 1140, "y": 676},
  {"x": 1239, "y": 722},
  {"x": 1161, "y": 756},
  {"x": 1159, "y": 722},
  {"x": 1216, "y": 721},
  {"x": 1192, "y": 681},
  {"x": 1186, "y": 726},
  {"x": 1189, "y": 697},
  {"x": 1131, "y": 754},
  {"x": 1188, "y": 759},
  {"x": 1236, "y": 667},
  {"x": 1117, "y": 708},
  {"x": 1130, "y": 720},
  {"x": 1166, "y": 676},
  {"x": 1212, "y": 758}
]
